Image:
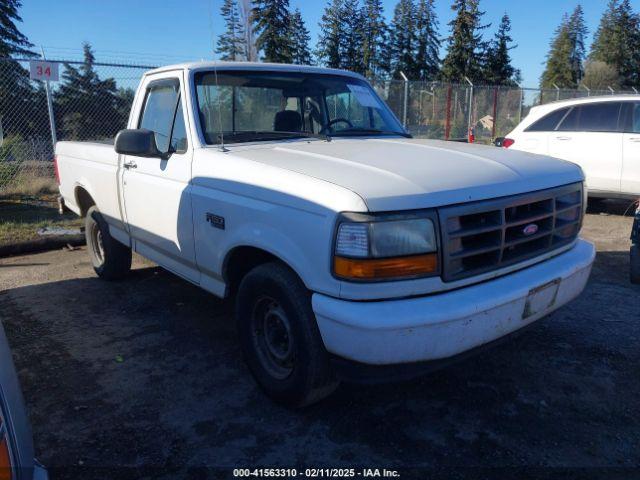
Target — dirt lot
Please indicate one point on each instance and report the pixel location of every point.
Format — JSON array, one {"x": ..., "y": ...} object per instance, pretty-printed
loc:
[{"x": 147, "y": 373}]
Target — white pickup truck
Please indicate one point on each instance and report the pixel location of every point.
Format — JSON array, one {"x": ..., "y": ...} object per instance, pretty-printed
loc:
[{"x": 353, "y": 250}]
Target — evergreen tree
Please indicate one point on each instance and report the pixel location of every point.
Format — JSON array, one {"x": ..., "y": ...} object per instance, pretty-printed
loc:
[
  {"x": 577, "y": 34},
  {"x": 466, "y": 49},
  {"x": 403, "y": 39},
  {"x": 375, "y": 35},
  {"x": 17, "y": 96},
  {"x": 232, "y": 43},
  {"x": 617, "y": 42},
  {"x": 427, "y": 58},
  {"x": 12, "y": 41},
  {"x": 498, "y": 68},
  {"x": 272, "y": 25},
  {"x": 565, "y": 60},
  {"x": 301, "y": 38},
  {"x": 351, "y": 47},
  {"x": 558, "y": 70},
  {"x": 332, "y": 31},
  {"x": 89, "y": 106}
]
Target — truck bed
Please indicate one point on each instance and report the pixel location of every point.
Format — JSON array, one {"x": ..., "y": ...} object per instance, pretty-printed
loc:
[{"x": 91, "y": 167}]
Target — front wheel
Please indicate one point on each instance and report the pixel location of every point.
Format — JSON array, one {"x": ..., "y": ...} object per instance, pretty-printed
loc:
[
  {"x": 111, "y": 259},
  {"x": 635, "y": 263},
  {"x": 279, "y": 336}
]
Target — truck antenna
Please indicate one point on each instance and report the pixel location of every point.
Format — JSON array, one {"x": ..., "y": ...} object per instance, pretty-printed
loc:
[{"x": 215, "y": 74}]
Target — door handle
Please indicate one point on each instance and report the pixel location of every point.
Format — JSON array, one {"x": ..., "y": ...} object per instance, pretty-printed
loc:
[
  {"x": 129, "y": 165},
  {"x": 564, "y": 139},
  {"x": 634, "y": 139}
]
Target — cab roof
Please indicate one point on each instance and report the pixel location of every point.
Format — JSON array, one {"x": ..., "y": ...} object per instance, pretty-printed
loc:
[{"x": 253, "y": 66}]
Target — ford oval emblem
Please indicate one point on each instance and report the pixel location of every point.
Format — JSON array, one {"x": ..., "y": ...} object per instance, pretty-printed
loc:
[{"x": 530, "y": 229}]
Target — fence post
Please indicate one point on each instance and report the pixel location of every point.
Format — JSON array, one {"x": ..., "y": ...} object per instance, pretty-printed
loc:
[
  {"x": 447, "y": 126},
  {"x": 611, "y": 90},
  {"x": 495, "y": 112},
  {"x": 521, "y": 104},
  {"x": 52, "y": 121},
  {"x": 557, "y": 91},
  {"x": 470, "y": 120},
  {"x": 406, "y": 99}
]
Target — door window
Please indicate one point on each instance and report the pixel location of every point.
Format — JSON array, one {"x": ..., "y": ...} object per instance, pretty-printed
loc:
[
  {"x": 635, "y": 118},
  {"x": 179, "y": 131},
  {"x": 162, "y": 114},
  {"x": 549, "y": 122},
  {"x": 570, "y": 122},
  {"x": 595, "y": 117}
]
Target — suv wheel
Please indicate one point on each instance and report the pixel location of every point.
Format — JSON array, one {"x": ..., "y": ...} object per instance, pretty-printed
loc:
[
  {"x": 111, "y": 259},
  {"x": 280, "y": 338}
]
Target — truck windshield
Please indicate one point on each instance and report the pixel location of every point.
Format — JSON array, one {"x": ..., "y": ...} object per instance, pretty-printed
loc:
[{"x": 261, "y": 106}]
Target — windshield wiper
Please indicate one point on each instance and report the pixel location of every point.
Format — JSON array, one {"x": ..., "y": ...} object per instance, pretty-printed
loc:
[
  {"x": 248, "y": 135},
  {"x": 370, "y": 131}
]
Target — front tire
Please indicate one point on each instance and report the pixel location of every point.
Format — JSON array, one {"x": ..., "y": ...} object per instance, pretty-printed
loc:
[
  {"x": 111, "y": 259},
  {"x": 635, "y": 263},
  {"x": 279, "y": 337}
]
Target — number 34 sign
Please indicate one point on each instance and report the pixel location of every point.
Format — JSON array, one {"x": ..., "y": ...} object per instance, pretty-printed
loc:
[{"x": 42, "y": 70}]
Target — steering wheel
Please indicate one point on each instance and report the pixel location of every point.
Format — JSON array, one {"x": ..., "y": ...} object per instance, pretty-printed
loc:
[{"x": 334, "y": 121}]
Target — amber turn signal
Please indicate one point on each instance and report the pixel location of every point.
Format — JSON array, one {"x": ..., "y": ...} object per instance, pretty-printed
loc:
[{"x": 381, "y": 268}]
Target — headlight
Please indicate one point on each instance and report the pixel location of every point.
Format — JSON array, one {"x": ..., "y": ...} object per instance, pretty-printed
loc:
[{"x": 385, "y": 247}]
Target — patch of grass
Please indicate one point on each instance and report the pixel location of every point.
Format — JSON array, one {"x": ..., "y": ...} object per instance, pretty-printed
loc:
[
  {"x": 21, "y": 217},
  {"x": 27, "y": 185}
]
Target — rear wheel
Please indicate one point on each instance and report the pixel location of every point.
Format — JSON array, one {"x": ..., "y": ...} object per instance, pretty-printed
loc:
[
  {"x": 280, "y": 338},
  {"x": 635, "y": 264},
  {"x": 111, "y": 259}
]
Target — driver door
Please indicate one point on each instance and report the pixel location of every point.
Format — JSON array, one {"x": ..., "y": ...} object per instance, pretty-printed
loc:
[{"x": 157, "y": 191}]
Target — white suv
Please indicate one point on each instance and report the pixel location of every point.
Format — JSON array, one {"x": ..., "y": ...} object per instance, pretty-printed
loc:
[{"x": 601, "y": 134}]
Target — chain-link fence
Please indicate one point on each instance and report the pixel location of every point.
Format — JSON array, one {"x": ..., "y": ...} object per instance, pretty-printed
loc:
[
  {"x": 448, "y": 111},
  {"x": 91, "y": 101}
]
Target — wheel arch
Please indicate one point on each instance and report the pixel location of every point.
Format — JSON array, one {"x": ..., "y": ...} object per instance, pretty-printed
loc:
[
  {"x": 241, "y": 259},
  {"x": 84, "y": 200}
]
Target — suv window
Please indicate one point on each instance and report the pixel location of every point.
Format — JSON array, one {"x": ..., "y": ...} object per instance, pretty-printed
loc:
[
  {"x": 549, "y": 122},
  {"x": 632, "y": 118},
  {"x": 162, "y": 114},
  {"x": 595, "y": 117}
]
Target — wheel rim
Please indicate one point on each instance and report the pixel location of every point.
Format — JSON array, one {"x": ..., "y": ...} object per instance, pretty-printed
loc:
[
  {"x": 272, "y": 337},
  {"x": 96, "y": 243}
]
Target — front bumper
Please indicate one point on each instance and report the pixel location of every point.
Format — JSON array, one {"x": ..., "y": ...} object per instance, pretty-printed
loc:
[{"x": 440, "y": 326}]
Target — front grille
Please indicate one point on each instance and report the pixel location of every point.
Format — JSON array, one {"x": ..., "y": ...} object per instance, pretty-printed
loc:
[{"x": 483, "y": 236}]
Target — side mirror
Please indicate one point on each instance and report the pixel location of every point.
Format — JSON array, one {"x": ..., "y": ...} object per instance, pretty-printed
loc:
[
  {"x": 498, "y": 141},
  {"x": 139, "y": 143}
]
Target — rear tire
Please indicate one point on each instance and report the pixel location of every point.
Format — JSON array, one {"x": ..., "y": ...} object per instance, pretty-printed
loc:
[
  {"x": 111, "y": 259},
  {"x": 635, "y": 263},
  {"x": 279, "y": 337}
]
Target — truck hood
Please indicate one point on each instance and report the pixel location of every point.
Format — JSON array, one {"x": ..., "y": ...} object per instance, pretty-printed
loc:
[{"x": 405, "y": 174}]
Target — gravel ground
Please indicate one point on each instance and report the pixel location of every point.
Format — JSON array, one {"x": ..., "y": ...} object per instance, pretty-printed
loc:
[{"x": 147, "y": 373}]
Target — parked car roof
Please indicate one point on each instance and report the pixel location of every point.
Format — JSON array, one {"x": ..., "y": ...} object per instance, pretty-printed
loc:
[{"x": 594, "y": 99}]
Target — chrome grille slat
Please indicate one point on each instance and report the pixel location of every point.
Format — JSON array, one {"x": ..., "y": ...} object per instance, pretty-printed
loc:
[{"x": 483, "y": 236}]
